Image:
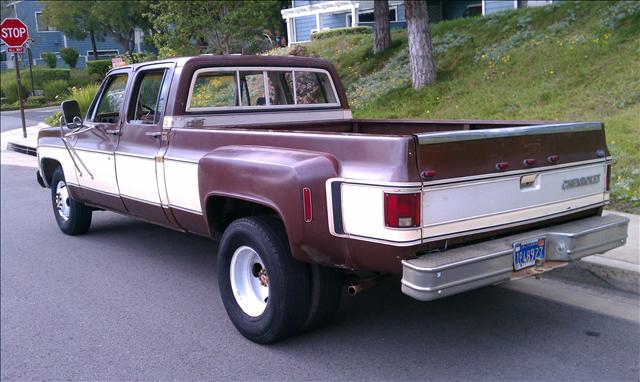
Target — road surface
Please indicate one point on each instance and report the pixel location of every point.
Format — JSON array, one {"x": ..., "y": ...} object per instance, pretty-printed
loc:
[
  {"x": 11, "y": 119},
  {"x": 132, "y": 301}
]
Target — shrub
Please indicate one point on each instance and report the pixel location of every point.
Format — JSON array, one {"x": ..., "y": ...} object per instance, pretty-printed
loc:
[
  {"x": 99, "y": 67},
  {"x": 55, "y": 89},
  {"x": 50, "y": 59},
  {"x": 41, "y": 76},
  {"x": 10, "y": 90},
  {"x": 69, "y": 56},
  {"x": 84, "y": 96},
  {"x": 340, "y": 32},
  {"x": 299, "y": 50},
  {"x": 81, "y": 78}
]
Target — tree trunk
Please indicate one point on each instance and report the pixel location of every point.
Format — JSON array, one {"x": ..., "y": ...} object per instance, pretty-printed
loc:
[
  {"x": 421, "y": 62},
  {"x": 92, "y": 35},
  {"x": 382, "y": 27}
]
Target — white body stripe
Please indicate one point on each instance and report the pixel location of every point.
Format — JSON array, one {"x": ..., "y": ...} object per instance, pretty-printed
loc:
[
  {"x": 182, "y": 185},
  {"x": 102, "y": 167},
  {"x": 137, "y": 178},
  {"x": 363, "y": 214},
  {"x": 61, "y": 155},
  {"x": 501, "y": 196}
]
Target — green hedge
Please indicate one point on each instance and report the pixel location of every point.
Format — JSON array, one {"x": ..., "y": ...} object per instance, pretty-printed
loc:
[
  {"x": 55, "y": 88},
  {"x": 50, "y": 59},
  {"x": 69, "y": 56},
  {"x": 10, "y": 90},
  {"x": 340, "y": 32},
  {"x": 41, "y": 76},
  {"x": 99, "y": 67}
]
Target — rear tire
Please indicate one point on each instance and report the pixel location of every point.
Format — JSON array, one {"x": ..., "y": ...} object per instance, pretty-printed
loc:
[
  {"x": 73, "y": 218},
  {"x": 265, "y": 291},
  {"x": 326, "y": 293}
]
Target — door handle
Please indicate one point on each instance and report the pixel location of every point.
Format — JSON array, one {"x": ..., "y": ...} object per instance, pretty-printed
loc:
[
  {"x": 113, "y": 131},
  {"x": 153, "y": 134}
]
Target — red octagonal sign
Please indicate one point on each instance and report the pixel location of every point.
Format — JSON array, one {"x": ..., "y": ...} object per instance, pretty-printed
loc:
[{"x": 13, "y": 32}]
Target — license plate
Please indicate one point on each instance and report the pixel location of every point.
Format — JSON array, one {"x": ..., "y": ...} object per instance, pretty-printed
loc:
[{"x": 525, "y": 253}]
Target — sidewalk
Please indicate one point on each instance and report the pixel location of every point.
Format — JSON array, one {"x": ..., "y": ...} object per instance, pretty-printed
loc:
[{"x": 620, "y": 267}]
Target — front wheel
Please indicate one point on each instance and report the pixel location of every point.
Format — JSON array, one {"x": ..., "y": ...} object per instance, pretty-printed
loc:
[
  {"x": 265, "y": 291},
  {"x": 73, "y": 218}
]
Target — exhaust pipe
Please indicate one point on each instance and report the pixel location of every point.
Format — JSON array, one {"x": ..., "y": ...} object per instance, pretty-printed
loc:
[{"x": 364, "y": 284}]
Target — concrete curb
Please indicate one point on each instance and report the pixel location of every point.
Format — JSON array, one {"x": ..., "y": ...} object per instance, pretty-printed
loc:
[{"x": 620, "y": 274}]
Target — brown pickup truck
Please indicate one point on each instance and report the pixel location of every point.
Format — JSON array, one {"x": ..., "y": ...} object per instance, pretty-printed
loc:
[{"x": 262, "y": 153}]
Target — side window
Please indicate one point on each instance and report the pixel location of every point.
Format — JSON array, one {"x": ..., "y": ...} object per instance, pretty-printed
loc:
[
  {"x": 313, "y": 88},
  {"x": 148, "y": 104},
  {"x": 252, "y": 89},
  {"x": 108, "y": 110},
  {"x": 280, "y": 88},
  {"x": 217, "y": 89}
]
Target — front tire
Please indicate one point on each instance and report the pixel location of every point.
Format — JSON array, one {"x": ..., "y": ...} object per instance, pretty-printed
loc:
[
  {"x": 265, "y": 291},
  {"x": 73, "y": 218}
]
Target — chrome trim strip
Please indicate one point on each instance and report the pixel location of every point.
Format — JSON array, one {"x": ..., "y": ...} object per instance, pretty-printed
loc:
[
  {"x": 470, "y": 135},
  {"x": 519, "y": 223},
  {"x": 504, "y": 212},
  {"x": 232, "y": 119},
  {"x": 99, "y": 191},
  {"x": 127, "y": 154},
  {"x": 123, "y": 196},
  {"x": 175, "y": 159},
  {"x": 185, "y": 209},
  {"x": 93, "y": 151},
  {"x": 514, "y": 172}
]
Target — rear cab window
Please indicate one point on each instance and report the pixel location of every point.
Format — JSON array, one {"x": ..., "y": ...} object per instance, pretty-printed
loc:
[{"x": 229, "y": 89}]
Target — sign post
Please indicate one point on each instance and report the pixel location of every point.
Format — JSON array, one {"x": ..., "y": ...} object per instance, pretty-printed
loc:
[
  {"x": 15, "y": 33},
  {"x": 30, "y": 57}
]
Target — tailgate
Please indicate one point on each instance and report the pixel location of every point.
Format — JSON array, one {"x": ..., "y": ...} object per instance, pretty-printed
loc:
[{"x": 480, "y": 180}]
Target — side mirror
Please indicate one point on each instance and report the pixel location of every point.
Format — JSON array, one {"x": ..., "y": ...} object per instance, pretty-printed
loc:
[{"x": 71, "y": 114}]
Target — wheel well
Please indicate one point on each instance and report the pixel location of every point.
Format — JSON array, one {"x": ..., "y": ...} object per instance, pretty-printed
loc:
[
  {"x": 48, "y": 167},
  {"x": 223, "y": 210}
]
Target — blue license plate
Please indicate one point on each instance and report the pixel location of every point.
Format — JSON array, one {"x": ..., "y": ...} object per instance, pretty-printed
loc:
[{"x": 525, "y": 253}]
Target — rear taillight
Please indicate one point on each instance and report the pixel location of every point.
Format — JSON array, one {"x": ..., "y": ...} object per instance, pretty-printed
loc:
[
  {"x": 608, "y": 178},
  {"x": 402, "y": 210}
]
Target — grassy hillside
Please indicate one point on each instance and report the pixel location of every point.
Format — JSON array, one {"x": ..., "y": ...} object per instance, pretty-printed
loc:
[{"x": 567, "y": 61}]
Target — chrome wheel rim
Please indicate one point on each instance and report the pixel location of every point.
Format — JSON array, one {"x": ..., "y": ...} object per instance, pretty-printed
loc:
[
  {"x": 249, "y": 281},
  {"x": 63, "y": 202}
]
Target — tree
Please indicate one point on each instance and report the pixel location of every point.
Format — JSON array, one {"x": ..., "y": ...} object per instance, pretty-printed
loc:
[
  {"x": 75, "y": 19},
  {"x": 98, "y": 19},
  {"x": 119, "y": 19},
  {"x": 382, "y": 25},
  {"x": 421, "y": 62},
  {"x": 220, "y": 27}
]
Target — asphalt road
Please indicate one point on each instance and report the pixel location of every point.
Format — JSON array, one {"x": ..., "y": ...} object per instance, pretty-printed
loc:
[
  {"x": 11, "y": 119},
  {"x": 131, "y": 301}
]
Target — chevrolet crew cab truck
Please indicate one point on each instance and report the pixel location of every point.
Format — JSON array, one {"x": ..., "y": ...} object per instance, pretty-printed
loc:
[{"x": 262, "y": 154}]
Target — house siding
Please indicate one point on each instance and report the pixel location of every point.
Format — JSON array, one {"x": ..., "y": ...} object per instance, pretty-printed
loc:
[
  {"x": 493, "y": 6},
  {"x": 304, "y": 25},
  {"x": 334, "y": 20}
]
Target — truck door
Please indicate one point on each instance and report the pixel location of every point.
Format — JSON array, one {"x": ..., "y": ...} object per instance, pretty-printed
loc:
[
  {"x": 138, "y": 155},
  {"x": 96, "y": 145}
]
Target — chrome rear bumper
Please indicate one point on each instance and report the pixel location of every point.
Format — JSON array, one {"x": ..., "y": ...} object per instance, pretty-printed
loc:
[{"x": 442, "y": 274}]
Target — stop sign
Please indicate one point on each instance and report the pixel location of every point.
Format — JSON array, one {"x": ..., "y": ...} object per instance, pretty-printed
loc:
[{"x": 13, "y": 32}]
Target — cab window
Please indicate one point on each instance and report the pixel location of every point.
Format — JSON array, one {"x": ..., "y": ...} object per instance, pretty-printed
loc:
[
  {"x": 147, "y": 105},
  {"x": 108, "y": 110}
]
